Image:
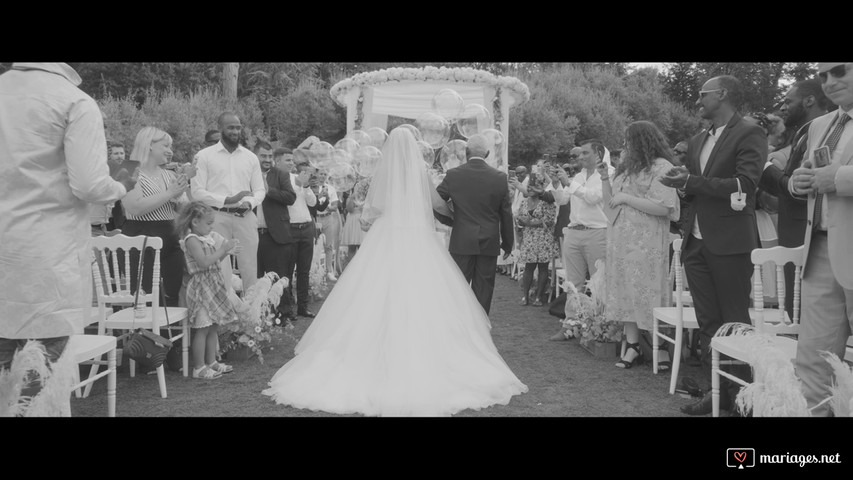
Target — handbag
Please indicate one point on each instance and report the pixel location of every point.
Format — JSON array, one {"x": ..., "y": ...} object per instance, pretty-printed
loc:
[{"x": 144, "y": 346}]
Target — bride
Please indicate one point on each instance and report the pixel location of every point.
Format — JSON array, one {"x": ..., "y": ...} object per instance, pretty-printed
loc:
[{"x": 401, "y": 334}]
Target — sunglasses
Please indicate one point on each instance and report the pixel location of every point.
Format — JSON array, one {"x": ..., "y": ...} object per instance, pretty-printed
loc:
[
  {"x": 702, "y": 93},
  {"x": 680, "y": 152},
  {"x": 837, "y": 72}
]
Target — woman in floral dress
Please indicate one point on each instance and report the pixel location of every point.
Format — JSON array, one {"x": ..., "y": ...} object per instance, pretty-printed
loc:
[
  {"x": 536, "y": 218},
  {"x": 638, "y": 239}
]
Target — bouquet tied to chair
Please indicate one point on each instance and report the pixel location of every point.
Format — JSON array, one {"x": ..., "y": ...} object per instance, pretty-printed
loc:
[
  {"x": 585, "y": 314},
  {"x": 255, "y": 320}
]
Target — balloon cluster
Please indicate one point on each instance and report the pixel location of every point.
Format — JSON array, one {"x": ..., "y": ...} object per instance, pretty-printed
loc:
[{"x": 357, "y": 155}]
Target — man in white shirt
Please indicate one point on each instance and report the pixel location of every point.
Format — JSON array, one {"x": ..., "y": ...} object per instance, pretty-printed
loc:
[
  {"x": 302, "y": 233},
  {"x": 827, "y": 305},
  {"x": 53, "y": 162},
  {"x": 585, "y": 238},
  {"x": 229, "y": 179}
]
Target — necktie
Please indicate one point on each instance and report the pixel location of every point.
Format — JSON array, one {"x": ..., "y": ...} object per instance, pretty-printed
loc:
[{"x": 831, "y": 143}]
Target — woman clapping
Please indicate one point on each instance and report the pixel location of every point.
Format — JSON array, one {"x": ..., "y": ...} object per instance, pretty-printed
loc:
[{"x": 638, "y": 235}]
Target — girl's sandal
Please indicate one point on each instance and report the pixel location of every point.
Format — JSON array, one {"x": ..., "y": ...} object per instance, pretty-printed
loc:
[
  {"x": 206, "y": 373},
  {"x": 221, "y": 368}
]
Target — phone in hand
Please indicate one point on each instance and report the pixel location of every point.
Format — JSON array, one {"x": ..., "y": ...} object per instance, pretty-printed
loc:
[{"x": 821, "y": 157}]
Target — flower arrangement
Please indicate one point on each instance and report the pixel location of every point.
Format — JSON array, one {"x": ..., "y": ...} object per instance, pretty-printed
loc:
[
  {"x": 585, "y": 315},
  {"x": 441, "y": 74},
  {"x": 255, "y": 317}
]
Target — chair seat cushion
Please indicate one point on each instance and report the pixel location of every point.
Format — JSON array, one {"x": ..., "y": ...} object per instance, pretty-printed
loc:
[
  {"x": 740, "y": 346},
  {"x": 87, "y": 347},
  {"x": 124, "y": 319}
]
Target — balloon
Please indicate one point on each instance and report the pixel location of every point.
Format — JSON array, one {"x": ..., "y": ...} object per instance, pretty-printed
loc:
[
  {"x": 322, "y": 153},
  {"x": 377, "y": 136},
  {"x": 303, "y": 155},
  {"x": 348, "y": 144},
  {"x": 366, "y": 159},
  {"x": 474, "y": 119},
  {"x": 359, "y": 136},
  {"x": 453, "y": 154},
  {"x": 341, "y": 176},
  {"x": 413, "y": 129},
  {"x": 434, "y": 128},
  {"x": 494, "y": 140},
  {"x": 428, "y": 152},
  {"x": 341, "y": 156},
  {"x": 448, "y": 103}
]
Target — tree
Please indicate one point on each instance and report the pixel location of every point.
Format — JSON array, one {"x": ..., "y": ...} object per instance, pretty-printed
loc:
[{"x": 230, "y": 73}]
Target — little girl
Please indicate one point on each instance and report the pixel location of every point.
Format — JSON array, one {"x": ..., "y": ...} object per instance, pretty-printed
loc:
[{"x": 208, "y": 301}]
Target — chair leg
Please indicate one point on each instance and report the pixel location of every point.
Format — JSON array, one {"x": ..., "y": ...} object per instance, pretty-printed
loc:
[
  {"x": 655, "y": 345},
  {"x": 186, "y": 348},
  {"x": 75, "y": 379},
  {"x": 92, "y": 372},
  {"x": 111, "y": 383},
  {"x": 676, "y": 359},
  {"x": 715, "y": 383},
  {"x": 161, "y": 378}
]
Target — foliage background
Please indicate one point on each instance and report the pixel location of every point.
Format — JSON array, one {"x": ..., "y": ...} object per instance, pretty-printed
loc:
[{"x": 286, "y": 102}]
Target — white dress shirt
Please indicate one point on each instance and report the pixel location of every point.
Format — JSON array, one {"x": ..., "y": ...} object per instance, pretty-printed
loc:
[
  {"x": 704, "y": 155},
  {"x": 305, "y": 198},
  {"x": 262, "y": 222},
  {"x": 221, "y": 174},
  {"x": 585, "y": 195}
]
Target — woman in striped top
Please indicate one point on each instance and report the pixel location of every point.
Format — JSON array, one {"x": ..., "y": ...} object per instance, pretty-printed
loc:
[{"x": 151, "y": 207}]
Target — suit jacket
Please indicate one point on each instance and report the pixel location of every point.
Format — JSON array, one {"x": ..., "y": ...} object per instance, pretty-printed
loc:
[
  {"x": 482, "y": 209},
  {"x": 739, "y": 154},
  {"x": 280, "y": 195},
  {"x": 840, "y": 210},
  {"x": 792, "y": 209}
]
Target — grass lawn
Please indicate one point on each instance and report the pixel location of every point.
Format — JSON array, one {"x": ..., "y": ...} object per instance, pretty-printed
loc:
[{"x": 564, "y": 379}]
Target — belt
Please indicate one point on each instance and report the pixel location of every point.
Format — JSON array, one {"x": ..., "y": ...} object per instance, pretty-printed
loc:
[
  {"x": 583, "y": 227},
  {"x": 262, "y": 231},
  {"x": 227, "y": 210},
  {"x": 300, "y": 226}
]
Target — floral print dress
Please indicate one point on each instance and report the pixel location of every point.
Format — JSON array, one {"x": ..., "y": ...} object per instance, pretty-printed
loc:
[
  {"x": 637, "y": 262},
  {"x": 206, "y": 287},
  {"x": 539, "y": 245}
]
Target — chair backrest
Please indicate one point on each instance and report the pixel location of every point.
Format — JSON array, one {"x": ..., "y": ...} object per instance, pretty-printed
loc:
[
  {"x": 108, "y": 248},
  {"x": 779, "y": 256}
]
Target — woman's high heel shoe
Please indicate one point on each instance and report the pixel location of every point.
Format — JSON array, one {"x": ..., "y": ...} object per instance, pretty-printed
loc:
[{"x": 638, "y": 360}]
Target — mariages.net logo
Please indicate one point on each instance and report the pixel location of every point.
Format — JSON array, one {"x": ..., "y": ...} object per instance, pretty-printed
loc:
[{"x": 742, "y": 458}]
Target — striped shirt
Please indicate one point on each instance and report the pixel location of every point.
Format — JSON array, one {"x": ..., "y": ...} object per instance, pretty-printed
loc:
[{"x": 152, "y": 186}]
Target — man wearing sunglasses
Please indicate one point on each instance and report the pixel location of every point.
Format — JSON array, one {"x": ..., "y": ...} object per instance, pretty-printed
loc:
[
  {"x": 827, "y": 301},
  {"x": 720, "y": 227},
  {"x": 803, "y": 102}
]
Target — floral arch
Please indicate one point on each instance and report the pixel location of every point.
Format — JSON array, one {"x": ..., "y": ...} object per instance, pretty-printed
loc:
[{"x": 371, "y": 97}]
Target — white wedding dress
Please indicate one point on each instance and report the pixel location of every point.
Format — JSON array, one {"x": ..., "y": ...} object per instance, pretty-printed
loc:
[{"x": 401, "y": 333}]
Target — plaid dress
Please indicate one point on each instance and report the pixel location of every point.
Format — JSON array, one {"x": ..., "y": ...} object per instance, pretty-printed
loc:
[{"x": 206, "y": 287}]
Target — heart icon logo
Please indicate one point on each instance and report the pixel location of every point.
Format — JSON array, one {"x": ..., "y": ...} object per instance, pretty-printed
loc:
[{"x": 740, "y": 456}]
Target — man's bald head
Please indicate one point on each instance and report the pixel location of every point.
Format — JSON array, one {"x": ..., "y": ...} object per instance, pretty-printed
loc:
[{"x": 477, "y": 146}]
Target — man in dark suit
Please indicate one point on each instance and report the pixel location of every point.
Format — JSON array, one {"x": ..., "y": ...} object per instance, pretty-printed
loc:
[
  {"x": 274, "y": 239},
  {"x": 482, "y": 218},
  {"x": 804, "y": 102},
  {"x": 720, "y": 229}
]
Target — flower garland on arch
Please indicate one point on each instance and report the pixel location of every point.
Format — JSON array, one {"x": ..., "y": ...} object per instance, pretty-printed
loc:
[
  {"x": 496, "y": 108},
  {"x": 440, "y": 74},
  {"x": 359, "y": 110}
]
